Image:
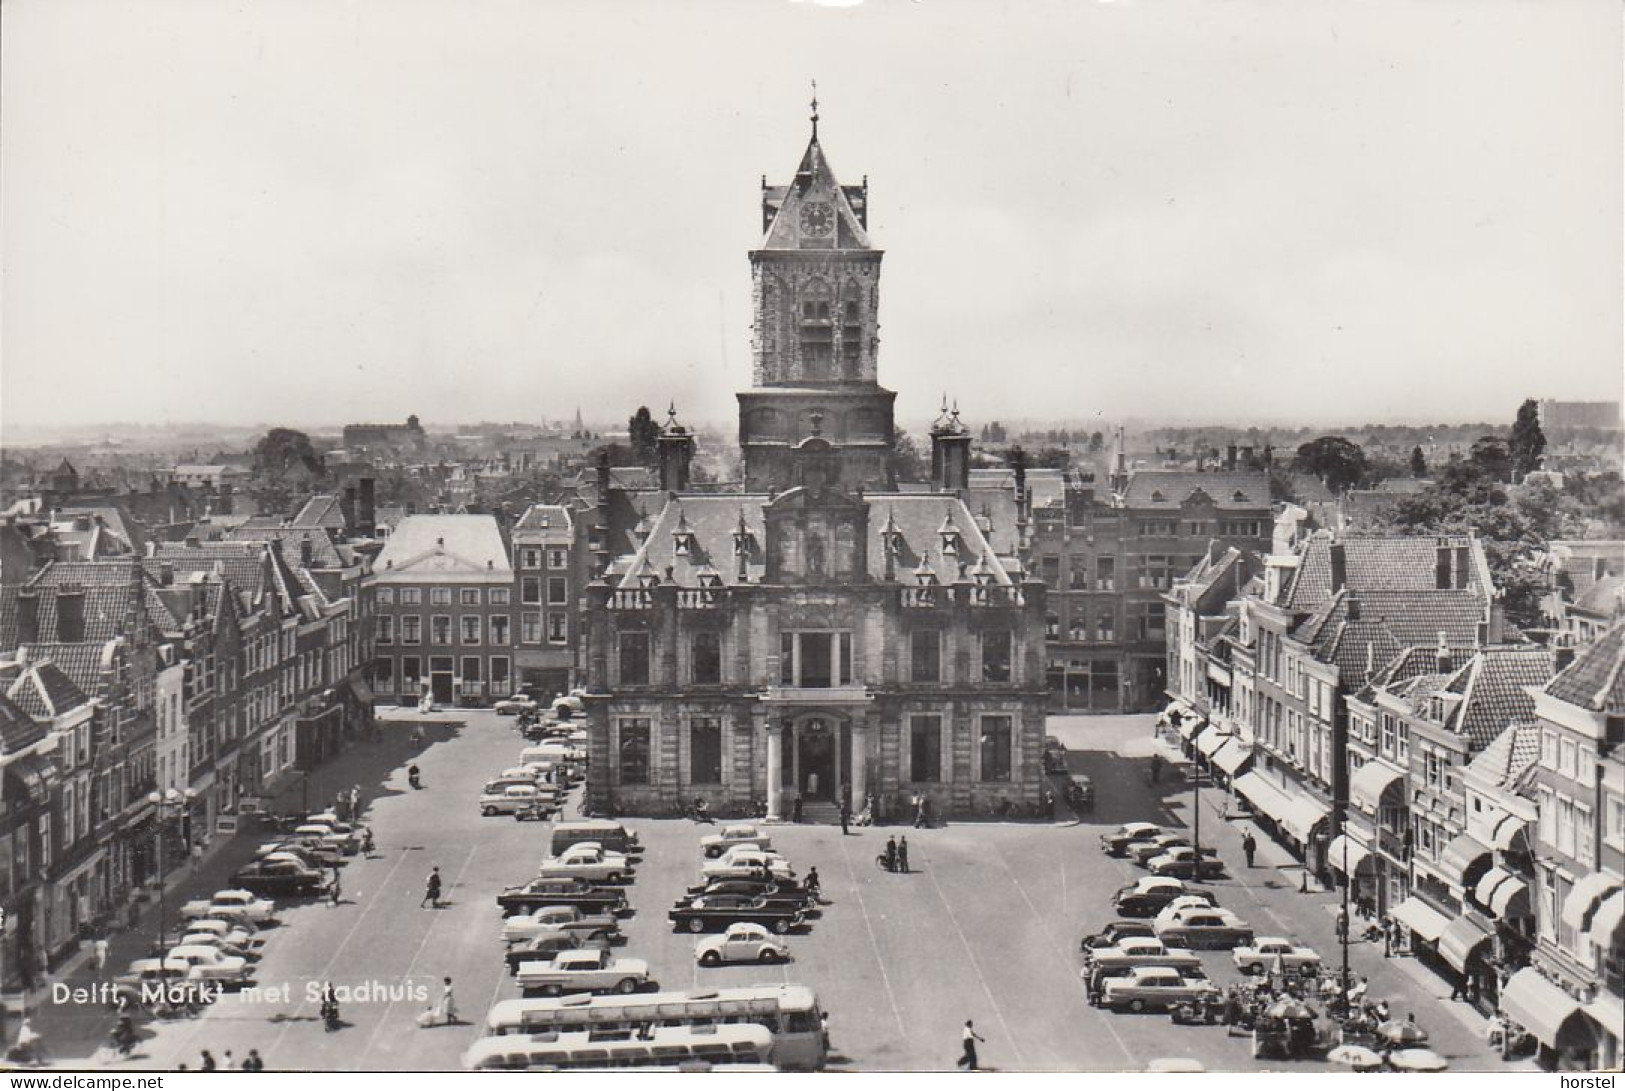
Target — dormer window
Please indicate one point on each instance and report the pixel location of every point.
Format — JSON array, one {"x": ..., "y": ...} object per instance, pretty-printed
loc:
[
  {"x": 925, "y": 575},
  {"x": 1157, "y": 497},
  {"x": 1238, "y": 497}
]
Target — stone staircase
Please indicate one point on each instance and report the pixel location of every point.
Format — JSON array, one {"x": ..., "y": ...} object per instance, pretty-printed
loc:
[{"x": 817, "y": 813}]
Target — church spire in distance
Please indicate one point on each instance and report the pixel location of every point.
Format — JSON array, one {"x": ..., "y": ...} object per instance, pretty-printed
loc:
[{"x": 815, "y": 109}]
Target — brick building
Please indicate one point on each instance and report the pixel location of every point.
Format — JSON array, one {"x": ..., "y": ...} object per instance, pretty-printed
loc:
[{"x": 545, "y": 557}]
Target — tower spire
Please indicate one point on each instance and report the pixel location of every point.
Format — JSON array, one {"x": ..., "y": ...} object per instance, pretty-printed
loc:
[{"x": 815, "y": 109}]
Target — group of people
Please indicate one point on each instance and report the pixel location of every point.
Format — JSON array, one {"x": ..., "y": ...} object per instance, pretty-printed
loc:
[
  {"x": 895, "y": 858},
  {"x": 251, "y": 1063}
]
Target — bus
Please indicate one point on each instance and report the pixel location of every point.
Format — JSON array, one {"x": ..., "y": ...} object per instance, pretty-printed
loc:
[
  {"x": 709, "y": 1048},
  {"x": 789, "y": 1012}
]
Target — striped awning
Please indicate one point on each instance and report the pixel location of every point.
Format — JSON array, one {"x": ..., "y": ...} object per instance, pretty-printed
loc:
[
  {"x": 1538, "y": 1004},
  {"x": 1234, "y": 757},
  {"x": 1605, "y": 921},
  {"x": 1497, "y": 887},
  {"x": 1370, "y": 781},
  {"x": 1461, "y": 938},
  {"x": 1421, "y": 918},
  {"x": 1508, "y": 827},
  {"x": 1461, "y": 857},
  {"x": 1584, "y": 896},
  {"x": 1344, "y": 847}
]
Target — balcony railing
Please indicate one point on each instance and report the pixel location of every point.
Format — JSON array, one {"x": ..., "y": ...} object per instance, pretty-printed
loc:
[{"x": 990, "y": 595}]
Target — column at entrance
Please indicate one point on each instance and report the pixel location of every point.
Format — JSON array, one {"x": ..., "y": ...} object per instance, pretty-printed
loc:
[
  {"x": 775, "y": 771},
  {"x": 860, "y": 762}
]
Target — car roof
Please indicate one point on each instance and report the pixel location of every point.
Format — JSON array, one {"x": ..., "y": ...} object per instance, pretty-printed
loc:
[
  {"x": 746, "y": 926},
  {"x": 1155, "y": 971}
]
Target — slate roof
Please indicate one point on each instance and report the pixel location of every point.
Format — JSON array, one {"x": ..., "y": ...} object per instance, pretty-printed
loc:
[
  {"x": 323, "y": 511},
  {"x": 444, "y": 548},
  {"x": 18, "y": 729},
  {"x": 814, "y": 180},
  {"x": 1378, "y": 564},
  {"x": 1388, "y": 623},
  {"x": 1596, "y": 680},
  {"x": 1510, "y": 755},
  {"x": 545, "y": 517},
  {"x": 1495, "y": 686},
  {"x": 1229, "y": 491}
]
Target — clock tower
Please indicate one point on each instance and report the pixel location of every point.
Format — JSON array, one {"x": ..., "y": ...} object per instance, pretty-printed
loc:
[{"x": 816, "y": 289}]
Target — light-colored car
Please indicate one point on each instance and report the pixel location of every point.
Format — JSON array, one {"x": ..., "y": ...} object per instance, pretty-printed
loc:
[
  {"x": 743, "y": 863},
  {"x": 513, "y": 706},
  {"x": 209, "y": 939},
  {"x": 729, "y": 837},
  {"x": 1183, "y": 862},
  {"x": 1153, "y": 988},
  {"x": 239, "y": 905},
  {"x": 583, "y": 970},
  {"x": 1262, "y": 954},
  {"x": 1141, "y": 851},
  {"x": 1209, "y": 927},
  {"x": 514, "y": 797},
  {"x": 1118, "y": 841},
  {"x": 586, "y": 861},
  {"x": 1141, "y": 951},
  {"x": 324, "y": 834},
  {"x": 741, "y": 943},
  {"x": 562, "y": 918},
  {"x": 209, "y": 964},
  {"x": 227, "y": 932}
]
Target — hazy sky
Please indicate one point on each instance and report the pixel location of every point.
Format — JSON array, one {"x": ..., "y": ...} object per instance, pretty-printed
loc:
[{"x": 319, "y": 211}]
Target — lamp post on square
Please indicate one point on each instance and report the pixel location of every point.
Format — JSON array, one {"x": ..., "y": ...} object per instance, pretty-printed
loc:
[{"x": 168, "y": 803}]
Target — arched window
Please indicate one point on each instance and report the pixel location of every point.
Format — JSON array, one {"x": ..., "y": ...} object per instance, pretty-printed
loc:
[{"x": 817, "y": 329}]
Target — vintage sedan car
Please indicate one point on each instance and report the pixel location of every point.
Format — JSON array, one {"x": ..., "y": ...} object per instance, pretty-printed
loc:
[
  {"x": 776, "y": 892},
  {"x": 1115, "y": 932},
  {"x": 1142, "y": 951},
  {"x": 586, "y": 861},
  {"x": 150, "y": 981},
  {"x": 558, "y": 918},
  {"x": 281, "y": 878},
  {"x": 209, "y": 964},
  {"x": 586, "y": 896},
  {"x": 728, "y": 837},
  {"x": 589, "y": 971},
  {"x": 741, "y": 943},
  {"x": 544, "y": 946},
  {"x": 1141, "y": 851},
  {"x": 231, "y": 905},
  {"x": 1147, "y": 897},
  {"x": 513, "y": 706},
  {"x": 1207, "y": 927},
  {"x": 742, "y": 863},
  {"x": 1261, "y": 956},
  {"x": 1153, "y": 988},
  {"x": 209, "y": 939},
  {"x": 313, "y": 853},
  {"x": 707, "y": 912},
  {"x": 1182, "y": 862},
  {"x": 1118, "y": 841},
  {"x": 230, "y": 933}
]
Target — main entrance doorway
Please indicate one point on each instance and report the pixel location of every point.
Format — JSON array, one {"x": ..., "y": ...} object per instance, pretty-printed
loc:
[
  {"x": 816, "y": 749},
  {"x": 440, "y": 679}
]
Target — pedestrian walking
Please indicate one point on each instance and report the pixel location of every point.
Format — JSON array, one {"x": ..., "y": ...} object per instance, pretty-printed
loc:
[
  {"x": 333, "y": 890},
  {"x": 1156, "y": 768},
  {"x": 846, "y": 817},
  {"x": 1249, "y": 847},
  {"x": 891, "y": 854},
  {"x": 208, "y": 1064},
  {"x": 1387, "y": 937},
  {"x": 229, "y": 1063},
  {"x": 812, "y": 883},
  {"x": 1342, "y": 925},
  {"x": 902, "y": 855},
  {"x": 197, "y": 854},
  {"x": 448, "y": 1004},
  {"x": 98, "y": 954},
  {"x": 253, "y": 1062},
  {"x": 431, "y": 890},
  {"x": 969, "y": 1038},
  {"x": 823, "y": 1028}
]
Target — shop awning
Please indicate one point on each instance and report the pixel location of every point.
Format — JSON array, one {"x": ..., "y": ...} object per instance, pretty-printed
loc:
[
  {"x": 1211, "y": 742},
  {"x": 1295, "y": 813},
  {"x": 1538, "y": 1004},
  {"x": 1608, "y": 1013},
  {"x": 1461, "y": 938},
  {"x": 362, "y": 691},
  {"x": 1461, "y": 857},
  {"x": 1345, "y": 848},
  {"x": 1233, "y": 758},
  {"x": 1584, "y": 897},
  {"x": 1190, "y": 724},
  {"x": 1499, "y": 889},
  {"x": 1508, "y": 827},
  {"x": 1370, "y": 781},
  {"x": 1421, "y": 918},
  {"x": 1605, "y": 921}
]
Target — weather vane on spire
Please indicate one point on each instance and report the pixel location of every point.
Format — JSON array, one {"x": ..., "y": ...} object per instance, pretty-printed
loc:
[{"x": 815, "y": 109}]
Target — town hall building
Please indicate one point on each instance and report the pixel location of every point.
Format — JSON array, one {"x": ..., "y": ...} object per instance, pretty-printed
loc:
[{"x": 818, "y": 635}]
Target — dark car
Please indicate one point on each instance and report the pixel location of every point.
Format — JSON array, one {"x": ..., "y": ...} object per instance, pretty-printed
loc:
[
  {"x": 1148, "y": 897},
  {"x": 1182, "y": 862},
  {"x": 1116, "y": 930},
  {"x": 278, "y": 878},
  {"x": 707, "y": 912},
  {"x": 786, "y": 894},
  {"x": 313, "y": 852},
  {"x": 543, "y": 948},
  {"x": 580, "y": 893}
]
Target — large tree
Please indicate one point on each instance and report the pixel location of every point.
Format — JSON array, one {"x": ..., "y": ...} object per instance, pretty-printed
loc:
[
  {"x": 282, "y": 448},
  {"x": 907, "y": 463},
  {"x": 1527, "y": 440},
  {"x": 642, "y": 434},
  {"x": 1338, "y": 462},
  {"x": 1419, "y": 463}
]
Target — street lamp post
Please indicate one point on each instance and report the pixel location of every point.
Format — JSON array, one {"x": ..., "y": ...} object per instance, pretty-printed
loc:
[
  {"x": 170, "y": 800},
  {"x": 1348, "y": 881}
]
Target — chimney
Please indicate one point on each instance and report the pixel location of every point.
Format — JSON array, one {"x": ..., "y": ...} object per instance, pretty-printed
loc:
[
  {"x": 1461, "y": 567},
  {"x": 1354, "y": 606},
  {"x": 226, "y": 501},
  {"x": 1230, "y": 457},
  {"x": 950, "y": 454},
  {"x": 603, "y": 476},
  {"x": 1562, "y": 656},
  {"x": 1441, "y": 565},
  {"x": 366, "y": 508},
  {"x": 70, "y": 614},
  {"x": 1021, "y": 479},
  {"x": 1441, "y": 655},
  {"x": 347, "y": 508},
  {"x": 28, "y": 616},
  {"x": 304, "y": 551},
  {"x": 675, "y": 448},
  {"x": 1340, "y": 567},
  {"x": 166, "y": 574}
]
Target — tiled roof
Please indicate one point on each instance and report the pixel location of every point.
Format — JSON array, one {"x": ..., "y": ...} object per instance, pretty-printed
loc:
[
  {"x": 444, "y": 547},
  {"x": 1150, "y": 490},
  {"x": 44, "y": 691},
  {"x": 1378, "y": 564},
  {"x": 82, "y": 663},
  {"x": 545, "y": 517},
  {"x": 321, "y": 511},
  {"x": 1495, "y": 691},
  {"x": 1509, "y": 754},
  {"x": 323, "y": 553},
  {"x": 1388, "y": 623},
  {"x": 242, "y": 564},
  {"x": 1409, "y": 663},
  {"x": 1595, "y": 679},
  {"x": 18, "y": 728}
]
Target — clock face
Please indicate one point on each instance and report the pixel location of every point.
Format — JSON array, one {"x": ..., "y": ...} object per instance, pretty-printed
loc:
[{"x": 816, "y": 219}]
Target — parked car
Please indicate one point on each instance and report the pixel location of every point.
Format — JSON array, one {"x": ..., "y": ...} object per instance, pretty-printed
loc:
[
  {"x": 209, "y": 939},
  {"x": 543, "y": 946},
  {"x": 589, "y": 897},
  {"x": 728, "y": 837},
  {"x": 231, "y": 933},
  {"x": 325, "y": 834},
  {"x": 742, "y": 863},
  {"x": 1182, "y": 862},
  {"x": 513, "y": 797},
  {"x": 280, "y": 878},
  {"x": 1116, "y": 931},
  {"x": 1153, "y": 988},
  {"x": 587, "y": 861},
  {"x": 1116, "y": 842},
  {"x": 1141, "y": 851},
  {"x": 513, "y": 706},
  {"x": 558, "y": 918},
  {"x": 150, "y": 980},
  {"x": 1206, "y": 927},
  {"x": 209, "y": 964},
  {"x": 706, "y": 912},
  {"x": 1261, "y": 956},
  {"x": 785, "y": 893},
  {"x": 1147, "y": 897},
  {"x": 314, "y": 854},
  {"x": 593, "y": 971},
  {"x": 1143, "y": 951},
  {"x": 742, "y": 942},
  {"x": 231, "y": 905}
]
